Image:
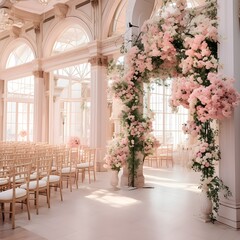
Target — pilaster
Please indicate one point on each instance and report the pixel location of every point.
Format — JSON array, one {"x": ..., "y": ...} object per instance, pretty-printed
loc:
[
  {"x": 229, "y": 53},
  {"x": 1, "y": 108},
  {"x": 98, "y": 99},
  {"x": 40, "y": 109}
]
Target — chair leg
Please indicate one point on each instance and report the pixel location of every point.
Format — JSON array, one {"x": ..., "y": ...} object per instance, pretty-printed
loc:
[
  {"x": 2, "y": 209},
  {"x": 83, "y": 174},
  {"x": 37, "y": 198},
  {"x": 13, "y": 215},
  {"x": 70, "y": 182},
  {"x": 48, "y": 196},
  {"x": 89, "y": 177},
  {"x": 60, "y": 189},
  {"x": 76, "y": 179},
  {"x": 10, "y": 211},
  {"x": 28, "y": 208}
]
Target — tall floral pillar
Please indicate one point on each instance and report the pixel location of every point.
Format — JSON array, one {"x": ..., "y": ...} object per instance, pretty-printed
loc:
[
  {"x": 229, "y": 212},
  {"x": 98, "y": 98},
  {"x": 137, "y": 12}
]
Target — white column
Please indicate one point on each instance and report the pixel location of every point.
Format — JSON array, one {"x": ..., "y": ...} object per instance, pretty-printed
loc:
[
  {"x": 39, "y": 99},
  {"x": 229, "y": 53},
  {"x": 99, "y": 120},
  {"x": 51, "y": 124},
  {"x": 1, "y": 108}
]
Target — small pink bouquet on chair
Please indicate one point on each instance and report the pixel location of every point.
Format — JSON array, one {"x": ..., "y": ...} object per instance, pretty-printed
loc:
[
  {"x": 23, "y": 134},
  {"x": 74, "y": 142}
]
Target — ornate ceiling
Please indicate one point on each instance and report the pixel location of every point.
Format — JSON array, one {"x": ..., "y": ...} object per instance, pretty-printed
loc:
[
  {"x": 16, "y": 13},
  {"x": 32, "y": 6}
]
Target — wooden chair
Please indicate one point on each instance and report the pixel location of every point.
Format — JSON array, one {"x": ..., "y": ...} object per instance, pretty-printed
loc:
[
  {"x": 68, "y": 170},
  {"x": 153, "y": 158},
  {"x": 4, "y": 174},
  {"x": 166, "y": 154},
  {"x": 87, "y": 163},
  {"x": 39, "y": 186},
  {"x": 55, "y": 177},
  {"x": 15, "y": 194}
]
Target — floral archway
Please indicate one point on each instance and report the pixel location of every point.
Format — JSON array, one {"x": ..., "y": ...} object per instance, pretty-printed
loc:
[{"x": 180, "y": 44}]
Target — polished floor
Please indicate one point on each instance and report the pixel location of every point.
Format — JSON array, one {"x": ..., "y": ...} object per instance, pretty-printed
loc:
[{"x": 167, "y": 209}]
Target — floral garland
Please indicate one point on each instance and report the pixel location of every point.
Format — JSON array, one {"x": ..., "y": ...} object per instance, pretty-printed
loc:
[{"x": 181, "y": 44}]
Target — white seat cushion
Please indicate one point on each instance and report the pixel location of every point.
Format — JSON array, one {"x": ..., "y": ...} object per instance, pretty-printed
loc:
[
  {"x": 18, "y": 179},
  {"x": 33, "y": 176},
  {"x": 54, "y": 168},
  {"x": 8, "y": 194},
  {"x": 67, "y": 170},
  {"x": 85, "y": 165},
  {"x": 52, "y": 178},
  {"x": 3, "y": 181},
  {"x": 33, "y": 184}
]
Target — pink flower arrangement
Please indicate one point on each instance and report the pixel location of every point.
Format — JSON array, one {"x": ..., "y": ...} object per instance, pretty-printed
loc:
[
  {"x": 150, "y": 143},
  {"x": 191, "y": 128},
  {"x": 198, "y": 55},
  {"x": 182, "y": 88},
  {"x": 74, "y": 142},
  {"x": 23, "y": 133},
  {"x": 204, "y": 158},
  {"x": 117, "y": 153},
  {"x": 215, "y": 101}
]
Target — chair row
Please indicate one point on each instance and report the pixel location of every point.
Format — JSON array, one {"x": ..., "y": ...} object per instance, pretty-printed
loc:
[
  {"x": 161, "y": 154},
  {"x": 34, "y": 175}
]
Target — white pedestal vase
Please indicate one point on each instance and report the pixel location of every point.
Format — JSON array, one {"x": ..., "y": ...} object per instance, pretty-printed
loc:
[
  {"x": 205, "y": 205},
  {"x": 114, "y": 179}
]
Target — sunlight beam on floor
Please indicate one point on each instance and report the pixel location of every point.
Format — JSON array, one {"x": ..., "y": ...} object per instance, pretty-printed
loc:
[{"x": 114, "y": 200}]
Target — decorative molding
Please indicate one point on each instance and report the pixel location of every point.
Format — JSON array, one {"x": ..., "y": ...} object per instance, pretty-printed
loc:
[
  {"x": 60, "y": 10},
  {"x": 94, "y": 3},
  {"x": 98, "y": 60},
  {"x": 38, "y": 74},
  {"x": 25, "y": 15},
  {"x": 15, "y": 31},
  {"x": 82, "y": 4},
  {"x": 79, "y": 55},
  {"x": 21, "y": 70},
  {"x": 36, "y": 27}
]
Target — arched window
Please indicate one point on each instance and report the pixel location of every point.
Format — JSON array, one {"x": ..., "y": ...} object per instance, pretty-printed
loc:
[
  {"x": 190, "y": 4},
  {"x": 19, "y": 109},
  {"x": 20, "y": 55},
  {"x": 74, "y": 83},
  {"x": 119, "y": 19},
  {"x": 19, "y": 98},
  {"x": 70, "y": 38}
]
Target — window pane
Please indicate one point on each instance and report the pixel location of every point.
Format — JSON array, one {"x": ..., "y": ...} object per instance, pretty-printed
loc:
[
  {"x": 20, "y": 55},
  {"x": 20, "y": 109},
  {"x": 167, "y": 125},
  {"x": 71, "y": 38}
]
